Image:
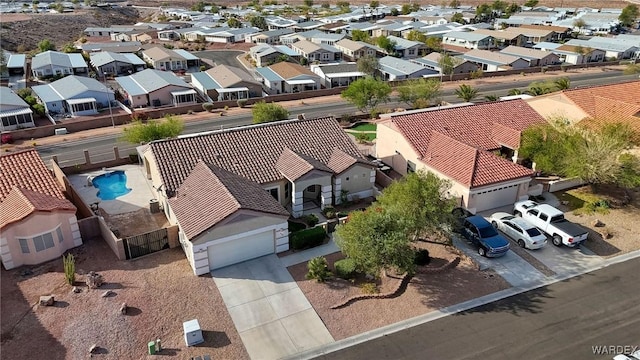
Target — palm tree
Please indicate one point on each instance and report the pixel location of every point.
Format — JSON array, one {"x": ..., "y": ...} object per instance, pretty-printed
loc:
[
  {"x": 514, "y": 92},
  {"x": 491, "y": 97},
  {"x": 536, "y": 90},
  {"x": 466, "y": 92},
  {"x": 562, "y": 83}
]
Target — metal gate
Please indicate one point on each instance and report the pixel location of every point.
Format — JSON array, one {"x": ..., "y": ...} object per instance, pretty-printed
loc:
[{"x": 143, "y": 244}]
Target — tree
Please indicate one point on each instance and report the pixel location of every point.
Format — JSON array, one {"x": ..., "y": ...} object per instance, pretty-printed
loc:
[
  {"x": 375, "y": 239},
  {"x": 234, "y": 23},
  {"x": 513, "y": 92},
  {"x": 537, "y": 88},
  {"x": 434, "y": 43},
  {"x": 454, "y": 4},
  {"x": 419, "y": 201},
  {"x": 419, "y": 93},
  {"x": 629, "y": 15},
  {"x": 531, "y": 3},
  {"x": 406, "y": 9},
  {"x": 3, "y": 62},
  {"x": 199, "y": 6},
  {"x": 46, "y": 45},
  {"x": 359, "y": 35},
  {"x": 562, "y": 83},
  {"x": 385, "y": 43},
  {"x": 374, "y": 4},
  {"x": 318, "y": 269},
  {"x": 511, "y": 9},
  {"x": 69, "y": 48},
  {"x": 266, "y": 112},
  {"x": 308, "y": 3},
  {"x": 579, "y": 23},
  {"x": 259, "y": 22},
  {"x": 395, "y": 12},
  {"x": 499, "y": 6},
  {"x": 483, "y": 12},
  {"x": 466, "y": 92},
  {"x": 140, "y": 132},
  {"x": 367, "y": 93},
  {"x": 448, "y": 64},
  {"x": 458, "y": 18},
  {"x": 415, "y": 35},
  {"x": 491, "y": 97},
  {"x": 368, "y": 64}
]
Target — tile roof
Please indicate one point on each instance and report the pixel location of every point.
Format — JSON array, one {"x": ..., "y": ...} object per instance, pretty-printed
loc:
[
  {"x": 288, "y": 70},
  {"x": 229, "y": 76},
  {"x": 27, "y": 185},
  {"x": 210, "y": 194},
  {"x": 251, "y": 151},
  {"x": 472, "y": 125},
  {"x": 294, "y": 165},
  {"x": 341, "y": 161}
]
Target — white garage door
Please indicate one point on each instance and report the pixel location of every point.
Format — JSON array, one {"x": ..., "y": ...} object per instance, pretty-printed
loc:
[
  {"x": 239, "y": 250},
  {"x": 490, "y": 199}
]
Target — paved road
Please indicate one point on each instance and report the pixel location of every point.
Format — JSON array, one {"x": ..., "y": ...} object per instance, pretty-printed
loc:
[
  {"x": 222, "y": 57},
  {"x": 560, "y": 321},
  {"x": 101, "y": 148}
]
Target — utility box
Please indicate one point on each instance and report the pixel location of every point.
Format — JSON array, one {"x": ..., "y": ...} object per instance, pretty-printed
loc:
[
  {"x": 154, "y": 206},
  {"x": 151, "y": 346},
  {"x": 192, "y": 332},
  {"x": 60, "y": 131}
]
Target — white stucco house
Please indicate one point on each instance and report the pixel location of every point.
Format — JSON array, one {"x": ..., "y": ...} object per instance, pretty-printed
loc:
[
  {"x": 74, "y": 95},
  {"x": 54, "y": 63},
  {"x": 233, "y": 190}
]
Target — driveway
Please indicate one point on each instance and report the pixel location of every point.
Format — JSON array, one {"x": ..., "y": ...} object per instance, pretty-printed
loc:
[
  {"x": 222, "y": 57},
  {"x": 270, "y": 312}
]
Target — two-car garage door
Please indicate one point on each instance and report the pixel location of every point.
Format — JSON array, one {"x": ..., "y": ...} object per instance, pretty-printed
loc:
[
  {"x": 493, "y": 198},
  {"x": 238, "y": 250}
]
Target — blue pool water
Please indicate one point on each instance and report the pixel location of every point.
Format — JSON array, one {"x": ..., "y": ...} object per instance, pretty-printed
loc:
[{"x": 111, "y": 185}]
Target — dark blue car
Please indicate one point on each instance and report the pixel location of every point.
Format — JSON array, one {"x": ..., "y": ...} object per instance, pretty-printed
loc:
[{"x": 480, "y": 233}]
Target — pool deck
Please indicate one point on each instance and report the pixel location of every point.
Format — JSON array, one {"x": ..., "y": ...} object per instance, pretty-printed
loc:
[{"x": 138, "y": 198}]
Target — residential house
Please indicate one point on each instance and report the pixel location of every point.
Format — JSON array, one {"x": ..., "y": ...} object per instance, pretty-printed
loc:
[
  {"x": 108, "y": 31},
  {"x": 278, "y": 22},
  {"x": 54, "y": 63},
  {"x": 354, "y": 50},
  {"x": 265, "y": 55},
  {"x": 614, "y": 49},
  {"x": 110, "y": 63},
  {"x": 432, "y": 61},
  {"x": 162, "y": 58},
  {"x": 367, "y": 27},
  {"x": 156, "y": 88},
  {"x": 504, "y": 38},
  {"x": 305, "y": 26},
  {"x": 74, "y": 95},
  {"x": 495, "y": 61},
  {"x": 334, "y": 28},
  {"x": 594, "y": 106},
  {"x": 336, "y": 75},
  {"x": 232, "y": 192},
  {"x": 17, "y": 64},
  {"x": 393, "y": 69},
  {"x": 136, "y": 35},
  {"x": 391, "y": 28},
  {"x": 15, "y": 113},
  {"x": 407, "y": 49},
  {"x": 113, "y": 46},
  {"x": 533, "y": 56},
  {"x": 231, "y": 35},
  {"x": 468, "y": 40},
  {"x": 558, "y": 32},
  {"x": 465, "y": 145},
  {"x": 578, "y": 55},
  {"x": 224, "y": 82},
  {"x": 268, "y": 37},
  {"x": 316, "y": 52},
  {"x": 533, "y": 36},
  {"x": 319, "y": 37},
  {"x": 37, "y": 222},
  {"x": 285, "y": 77}
]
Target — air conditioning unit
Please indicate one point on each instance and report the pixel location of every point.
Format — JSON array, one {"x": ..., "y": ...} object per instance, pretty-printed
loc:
[{"x": 154, "y": 206}]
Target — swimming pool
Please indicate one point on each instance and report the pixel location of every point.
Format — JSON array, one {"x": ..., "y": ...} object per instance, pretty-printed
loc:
[{"x": 111, "y": 185}]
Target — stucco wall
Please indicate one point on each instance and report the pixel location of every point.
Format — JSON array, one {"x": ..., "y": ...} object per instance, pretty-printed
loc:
[
  {"x": 34, "y": 225},
  {"x": 356, "y": 179}
]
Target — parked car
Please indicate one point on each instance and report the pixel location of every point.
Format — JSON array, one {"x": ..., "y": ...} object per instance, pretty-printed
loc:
[
  {"x": 479, "y": 232},
  {"x": 518, "y": 229},
  {"x": 552, "y": 222}
]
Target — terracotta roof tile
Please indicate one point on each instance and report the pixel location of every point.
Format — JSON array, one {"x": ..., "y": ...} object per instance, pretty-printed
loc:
[
  {"x": 210, "y": 194},
  {"x": 341, "y": 161},
  {"x": 294, "y": 166},
  {"x": 27, "y": 171},
  {"x": 20, "y": 203},
  {"x": 251, "y": 151}
]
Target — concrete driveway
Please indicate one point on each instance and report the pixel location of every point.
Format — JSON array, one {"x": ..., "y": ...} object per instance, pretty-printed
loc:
[{"x": 272, "y": 315}]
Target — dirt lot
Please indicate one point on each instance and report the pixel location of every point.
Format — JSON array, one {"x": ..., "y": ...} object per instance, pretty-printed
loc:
[
  {"x": 425, "y": 293},
  {"x": 160, "y": 290},
  {"x": 621, "y": 222}
]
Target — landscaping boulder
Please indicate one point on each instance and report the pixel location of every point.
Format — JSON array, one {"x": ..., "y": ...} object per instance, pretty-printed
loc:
[
  {"x": 93, "y": 349},
  {"x": 47, "y": 300},
  {"x": 597, "y": 223},
  {"x": 107, "y": 293},
  {"x": 76, "y": 290},
  {"x": 94, "y": 280},
  {"x": 123, "y": 309}
]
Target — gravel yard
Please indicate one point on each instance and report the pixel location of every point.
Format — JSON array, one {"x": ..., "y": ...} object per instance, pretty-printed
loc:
[
  {"x": 425, "y": 293},
  {"x": 160, "y": 290}
]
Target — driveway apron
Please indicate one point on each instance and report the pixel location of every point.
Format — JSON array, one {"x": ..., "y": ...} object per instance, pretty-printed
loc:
[{"x": 272, "y": 315}]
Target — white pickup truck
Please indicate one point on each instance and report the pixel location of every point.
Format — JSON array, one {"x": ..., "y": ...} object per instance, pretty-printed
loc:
[{"x": 552, "y": 222}]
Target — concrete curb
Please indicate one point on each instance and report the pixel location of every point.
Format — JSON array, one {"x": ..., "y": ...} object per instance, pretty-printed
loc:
[{"x": 449, "y": 310}]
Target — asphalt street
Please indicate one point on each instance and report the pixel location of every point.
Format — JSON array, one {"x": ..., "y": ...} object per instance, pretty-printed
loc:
[
  {"x": 101, "y": 148},
  {"x": 565, "y": 320}
]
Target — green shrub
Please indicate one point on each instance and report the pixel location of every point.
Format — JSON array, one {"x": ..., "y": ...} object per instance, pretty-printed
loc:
[
  {"x": 329, "y": 212},
  {"x": 296, "y": 226},
  {"x": 601, "y": 206},
  {"x": 242, "y": 102},
  {"x": 308, "y": 238},
  {"x": 345, "y": 268},
  {"x": 69, "y": 268},
  {"x": 318, "y": 269},
  {"x": 422, "y": 257},
  {"x": 369, "y": 288},
  {"x": 207, "y": 106},
  {"x": 311, "y": 220}
]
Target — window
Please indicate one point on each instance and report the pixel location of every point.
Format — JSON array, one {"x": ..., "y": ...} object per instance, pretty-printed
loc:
[
  {"x": 412, "y": 51},
  {"x": 533, "y": 212},
  {"x": 274, "y": 193},
  {"x": 24, "y": 245},
  {"x": 543, "y": 216},
  {"x": 59, "y": 233},
  {"x": 287, "y": 189},
  {"x": 43, "y": 242}
]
